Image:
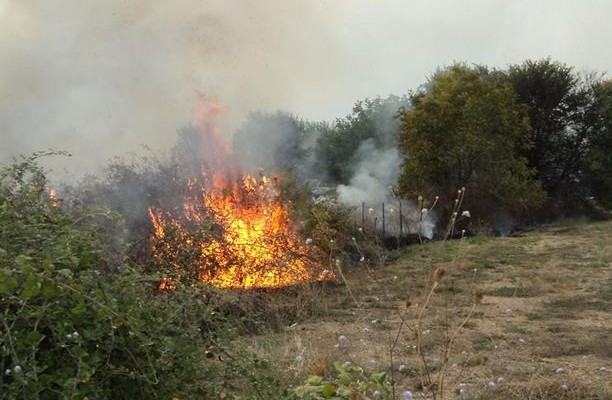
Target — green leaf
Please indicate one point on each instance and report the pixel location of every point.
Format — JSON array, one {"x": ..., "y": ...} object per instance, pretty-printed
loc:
[
  {"x": 379, "y": 377},
  {"x": 79, "y": 309},
  {"x": 31, "y": 287},
  {"x": 7, "y": 283},
  {"x": 22, "y": 261},
  {"x": 328, "y": 390}
]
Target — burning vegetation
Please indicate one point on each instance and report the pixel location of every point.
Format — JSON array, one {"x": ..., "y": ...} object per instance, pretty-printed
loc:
[{"x": 233, "y": 230}]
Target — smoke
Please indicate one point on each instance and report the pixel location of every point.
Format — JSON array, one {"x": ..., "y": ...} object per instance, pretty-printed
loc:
[
  {"x": 371, "y": 187},
  {"x": 373, "y": 177},
  {"x": 101, "y": 78}
]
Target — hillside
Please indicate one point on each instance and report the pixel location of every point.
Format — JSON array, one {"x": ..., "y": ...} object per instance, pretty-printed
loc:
[{"x": 542, "y": 330}]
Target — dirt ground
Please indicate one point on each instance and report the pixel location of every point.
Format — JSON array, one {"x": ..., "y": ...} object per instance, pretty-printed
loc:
[{"x": 544, "y": 325}]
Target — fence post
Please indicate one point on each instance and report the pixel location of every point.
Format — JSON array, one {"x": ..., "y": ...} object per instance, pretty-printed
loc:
[
  {"x": 401, "y": 223},
  {"x": 383, "y": 221},
  {"x": 363, "y": 216}
]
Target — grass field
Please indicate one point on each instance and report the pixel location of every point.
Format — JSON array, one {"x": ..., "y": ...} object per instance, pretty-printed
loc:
[{"x": 543, "y": 329}]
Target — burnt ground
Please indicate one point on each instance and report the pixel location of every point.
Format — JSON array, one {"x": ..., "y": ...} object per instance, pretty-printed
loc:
[{"x": 545, "y": 319}]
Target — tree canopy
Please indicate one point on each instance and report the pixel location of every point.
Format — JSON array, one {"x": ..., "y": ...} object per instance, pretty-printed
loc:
[
  {"x": 561, "y": 110},
  {"x": 371, "y": 119},
  {"x": 467, "y": 129}
]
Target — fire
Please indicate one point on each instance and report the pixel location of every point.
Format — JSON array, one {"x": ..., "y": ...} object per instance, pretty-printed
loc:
[
  {"x": 249, "y": 239},
  {"x": 54, "y": 198}
]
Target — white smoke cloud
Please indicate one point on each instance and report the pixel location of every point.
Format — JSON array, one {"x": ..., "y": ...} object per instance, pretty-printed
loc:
[
  {"x": 374, "y": 175},
  {"x": 371, "y": 185}
]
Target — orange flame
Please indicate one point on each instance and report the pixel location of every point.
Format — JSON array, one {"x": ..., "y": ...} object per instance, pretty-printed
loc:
[
  {"x": 54, "y": 198},
  {"x": 250, "y": 240}
]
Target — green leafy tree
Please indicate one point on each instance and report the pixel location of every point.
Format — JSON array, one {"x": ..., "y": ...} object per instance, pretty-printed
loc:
[
  {"x": 599, "y": 157},
  {"x": 371, "y": 119},
  {"x": 559, "y": 105},
  {"x": 466, "y": 129}
]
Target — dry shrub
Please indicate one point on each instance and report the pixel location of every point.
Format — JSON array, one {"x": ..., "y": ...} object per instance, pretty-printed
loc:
[
  {"x": 320, "y": 366},
  {"x": 270, "y": 309}
]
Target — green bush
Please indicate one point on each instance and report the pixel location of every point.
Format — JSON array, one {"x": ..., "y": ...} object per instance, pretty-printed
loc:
[
  {"x": 72, "y": 330},
  {"x": 348, "y": 382}
]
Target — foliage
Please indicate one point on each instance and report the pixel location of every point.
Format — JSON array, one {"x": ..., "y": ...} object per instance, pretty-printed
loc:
[
  {"x": 599, "y": 158},
  {"x": 371, "y": 119},
  {"x": 467, "y": 130},
  {"x": 563, "y": 119},
  {"x": 330, "y": 225},
  {"x": 349, "y": 382},
  {"x": 70, "y": 330},
  {"x": 129, "y": 187}
]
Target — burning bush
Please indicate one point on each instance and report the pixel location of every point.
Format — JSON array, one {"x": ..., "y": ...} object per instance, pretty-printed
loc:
[
  {"x": 234, "y": 234},
  {"x": 233, "y": 229},
  {"x": 71, "y": 330}
]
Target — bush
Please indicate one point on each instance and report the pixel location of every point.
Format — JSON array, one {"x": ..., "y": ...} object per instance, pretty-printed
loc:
[
  {"x": 348, "y": 382},
  {"x": 70, "y": 330}
]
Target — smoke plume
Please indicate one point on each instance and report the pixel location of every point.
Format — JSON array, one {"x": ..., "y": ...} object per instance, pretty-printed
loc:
[{"x": 101, "y": 78}]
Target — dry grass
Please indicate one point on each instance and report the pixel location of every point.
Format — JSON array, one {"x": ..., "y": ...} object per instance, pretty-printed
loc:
[{"x": 547, "y": 305}]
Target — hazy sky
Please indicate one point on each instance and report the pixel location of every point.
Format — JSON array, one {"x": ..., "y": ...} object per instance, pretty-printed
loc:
[{"x": 100, "y": 77}]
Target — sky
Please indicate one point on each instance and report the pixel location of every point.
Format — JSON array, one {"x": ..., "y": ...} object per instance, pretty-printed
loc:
[{"x": 101, "y": 78}]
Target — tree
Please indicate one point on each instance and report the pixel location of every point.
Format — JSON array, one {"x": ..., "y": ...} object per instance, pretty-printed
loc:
[
  {"x": 559, "y": 104},
  {"x": 466, "y": 129},
  {"x": 598, "y": 162},
  {"x": 375, "y": 119}
]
